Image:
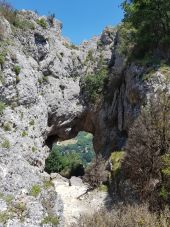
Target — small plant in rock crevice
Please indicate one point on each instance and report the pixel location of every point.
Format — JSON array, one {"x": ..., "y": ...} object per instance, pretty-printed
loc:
[
  {"x": 17, "y": 69},
  {"x": 2, "y": 107},
  {"x": 35, "y": 190},
  {"x": 5, "y": 144},
  {"x": 51, "y": 219},
  {"x": 42, "y": 23}
]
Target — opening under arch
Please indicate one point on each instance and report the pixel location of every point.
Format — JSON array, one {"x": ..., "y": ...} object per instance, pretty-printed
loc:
[{"x": 71, "y": 157}]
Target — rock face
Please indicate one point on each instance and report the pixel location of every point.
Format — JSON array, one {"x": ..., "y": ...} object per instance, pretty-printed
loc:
[{"x": 41, "y": 101}]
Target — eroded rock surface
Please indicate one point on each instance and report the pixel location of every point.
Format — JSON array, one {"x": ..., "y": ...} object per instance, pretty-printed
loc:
[{"x": 42, "y": 101}]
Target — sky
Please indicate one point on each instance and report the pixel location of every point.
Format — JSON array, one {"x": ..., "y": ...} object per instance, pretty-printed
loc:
[{"x": 82, "y": 19}]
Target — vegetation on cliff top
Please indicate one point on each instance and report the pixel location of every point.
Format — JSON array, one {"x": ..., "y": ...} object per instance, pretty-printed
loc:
[{"x": 148, "y": 26}]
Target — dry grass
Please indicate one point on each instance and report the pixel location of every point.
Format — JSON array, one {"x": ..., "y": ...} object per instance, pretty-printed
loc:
[
  {"x": 7, "y": 11},
  {"x": 129, "y": 216}
]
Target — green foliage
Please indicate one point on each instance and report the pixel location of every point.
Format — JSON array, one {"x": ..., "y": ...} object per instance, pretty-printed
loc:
[
  {"x": 150, "y": 20},
  {"x": 24, "y": 133},
  {"x": 9, "y": 199},
  {"x": 83, "y": 146},
  {"x": 54, "y": 162},
  {"x": 34, "y": 149},
  {"x": 4, "y": 216},
  {"x": 42, "y": 23},
  {"x": 35, "y": 190},
  {"x": 51, "y": 219},
  {"x": 116, "y": 160},
  {"x": 166, "y": 165},
  {"x": 89, "y": 56},
  {"x": 32, "y": 122},
  {"x": 17, "y": 69},
  {"x": 2, "y": 107},
  {"x": 103, "y": 188},
  {"x": 5, "y": 144},
  {"x": 66, "y": 164},
  {"x": 23, "y": 24},
  {"x": 93, "y": 85},
  {"x": 2, "y": 58},
  {"x": 164, "y": 193},
  {"x": 13, "y": 17}
]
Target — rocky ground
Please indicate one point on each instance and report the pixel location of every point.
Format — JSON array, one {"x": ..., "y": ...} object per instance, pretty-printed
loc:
[{"x": 75, "y": 201}]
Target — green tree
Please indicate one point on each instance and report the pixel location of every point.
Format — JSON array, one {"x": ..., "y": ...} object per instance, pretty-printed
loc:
[
  {"x": 54, "y": 162},
  {"x": 151, "y": 19}
]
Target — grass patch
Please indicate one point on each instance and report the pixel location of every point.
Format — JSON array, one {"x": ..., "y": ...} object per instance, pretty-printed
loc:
[
  {"x": 42, "y": 23},
  {"x": 35, "y": 190},
  {"x": 7, "y": 127},
  {"x": 2, "y": 57},
  {"x": 34, "y": 149},
  {"x": 17, "y": 69},
  {"x": 4, "y": 217},
  {"x": 103, "y": 188},
  {"x": 51, "y": 219},
  {"x": 116, "y": 159},
  {"x": 5, "y": 144},
  {"x": 24, "y": 133}
]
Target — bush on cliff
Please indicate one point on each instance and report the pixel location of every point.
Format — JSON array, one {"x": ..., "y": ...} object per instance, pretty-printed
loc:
[
  {"x": 93, "y": 85},
  {"x": 150, "y": 19},
  {"x": 147, "y": 162}
]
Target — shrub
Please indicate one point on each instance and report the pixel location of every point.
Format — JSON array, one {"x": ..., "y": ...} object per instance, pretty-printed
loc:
[
  {"x": 116, "y": 160},
  {"x": 42, "y": 23},
  {"x": 17, "y": 69},
  {"x": 35, "y": 190},
  {"x": 96, "y": 173},
  {"x": 89, "y": 56},
  {"x": 24, "y": 133},
  {"x": 32, "y": 122},
  {"x": 7, "y": 127},
  {"x": 125, "y": 216},
  {"x": 5, "y": 144},
  {"x": 147, "y": 150},
  {"x": 93, "y": 85},
  {"x": 151, "y": 23},
  {"x": 4, "y": 216},
  {"x": 24, "y": 24},
  {"x": 34, "y": 149},
  {"x": 2, "y": 107},
  {"x": 7, "y": 11}
]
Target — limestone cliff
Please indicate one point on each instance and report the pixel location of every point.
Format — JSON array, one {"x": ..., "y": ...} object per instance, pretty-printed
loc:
[{"x": 42, "y": 101}]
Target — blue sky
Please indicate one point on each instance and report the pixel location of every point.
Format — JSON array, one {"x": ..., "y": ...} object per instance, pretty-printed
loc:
[{"x": 81, "y": 19}]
